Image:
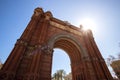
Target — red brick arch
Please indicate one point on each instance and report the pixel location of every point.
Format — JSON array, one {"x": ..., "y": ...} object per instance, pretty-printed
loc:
[{"x": 31, "y": 58}]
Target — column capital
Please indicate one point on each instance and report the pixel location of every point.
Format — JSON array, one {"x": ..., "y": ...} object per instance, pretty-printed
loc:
[{"x": 46, "y": 49}]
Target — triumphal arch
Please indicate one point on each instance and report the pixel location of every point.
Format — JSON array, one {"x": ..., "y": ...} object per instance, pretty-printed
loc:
[{"x": 31, "y": 57}]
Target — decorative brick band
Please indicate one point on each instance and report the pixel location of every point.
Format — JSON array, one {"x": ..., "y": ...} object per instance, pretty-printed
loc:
[{"x": 67, "y": 28}]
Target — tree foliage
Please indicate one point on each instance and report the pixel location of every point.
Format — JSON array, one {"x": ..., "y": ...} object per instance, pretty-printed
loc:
[{"x": 59, "y": 75}]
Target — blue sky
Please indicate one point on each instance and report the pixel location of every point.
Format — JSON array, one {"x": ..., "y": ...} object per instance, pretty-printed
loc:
[{"x": 15, "y": 15}]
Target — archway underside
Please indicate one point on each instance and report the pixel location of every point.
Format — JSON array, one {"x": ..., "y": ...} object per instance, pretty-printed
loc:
[{"x": 70, "y": 48}]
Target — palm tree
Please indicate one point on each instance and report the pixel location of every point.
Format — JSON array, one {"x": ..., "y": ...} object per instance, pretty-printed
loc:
[{"x": 59, "y": 75}]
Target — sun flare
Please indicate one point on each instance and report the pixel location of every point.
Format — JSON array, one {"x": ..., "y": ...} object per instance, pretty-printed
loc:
[{"x": 88, "y": 24}]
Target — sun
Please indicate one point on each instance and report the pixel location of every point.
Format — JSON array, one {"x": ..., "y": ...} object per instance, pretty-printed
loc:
[{"x": 88, "y": 24}]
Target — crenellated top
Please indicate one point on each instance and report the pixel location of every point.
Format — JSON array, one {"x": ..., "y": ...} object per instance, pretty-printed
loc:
[{"x": 39, "y": 11}]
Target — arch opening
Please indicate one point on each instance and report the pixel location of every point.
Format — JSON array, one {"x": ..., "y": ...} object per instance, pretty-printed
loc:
[{"x": 60, "y": 62}]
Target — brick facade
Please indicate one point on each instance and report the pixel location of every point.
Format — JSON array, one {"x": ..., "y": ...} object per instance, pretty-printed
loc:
[{"x": 31, "y": 58}]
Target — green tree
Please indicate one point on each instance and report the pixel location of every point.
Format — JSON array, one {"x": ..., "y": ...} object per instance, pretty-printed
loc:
[{"x": 59, "y": 75}]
